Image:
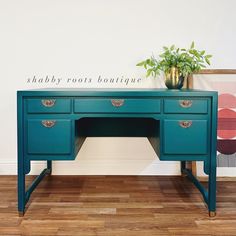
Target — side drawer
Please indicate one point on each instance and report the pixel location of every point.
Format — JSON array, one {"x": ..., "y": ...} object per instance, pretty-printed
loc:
[
  {"x": 185, "y": 137},
  {"x": 186, "y": 105},
  {"x": 49, "y": 105},
  {"x": 49, "y": 136},
  {"x": 117, "y": 105}
]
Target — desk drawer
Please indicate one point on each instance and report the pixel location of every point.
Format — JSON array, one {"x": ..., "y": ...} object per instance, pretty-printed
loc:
[
  {"x": 185, "y": 137},
  {"x": 116, "y": 105},
  {"x": 186, "y": 105},
  {"x": 49, "y": 105},
  {"x": 49, "y": 136}
]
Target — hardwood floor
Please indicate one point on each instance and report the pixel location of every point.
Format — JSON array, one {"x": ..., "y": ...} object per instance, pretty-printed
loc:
[{"x": 116, "y": 205}]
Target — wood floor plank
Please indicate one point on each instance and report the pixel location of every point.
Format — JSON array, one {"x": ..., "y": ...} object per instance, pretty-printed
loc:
[{"x": 116, "y": 205}]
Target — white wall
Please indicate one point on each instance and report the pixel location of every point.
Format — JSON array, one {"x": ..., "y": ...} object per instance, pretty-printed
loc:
[{"x": 107, "y": 37}]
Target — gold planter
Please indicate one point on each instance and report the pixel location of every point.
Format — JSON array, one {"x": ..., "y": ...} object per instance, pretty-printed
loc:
[{"x": 174, "y": 79}]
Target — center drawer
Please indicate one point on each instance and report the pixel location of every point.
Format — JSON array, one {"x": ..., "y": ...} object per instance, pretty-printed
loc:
[{"x": 116, "y": 105}]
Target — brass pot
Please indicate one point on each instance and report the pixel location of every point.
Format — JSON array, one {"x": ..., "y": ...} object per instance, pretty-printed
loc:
[{"x": 174, "y": 79}]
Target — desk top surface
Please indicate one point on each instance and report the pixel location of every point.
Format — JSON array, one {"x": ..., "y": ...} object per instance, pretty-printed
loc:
[{"x": 149, "y": 92}]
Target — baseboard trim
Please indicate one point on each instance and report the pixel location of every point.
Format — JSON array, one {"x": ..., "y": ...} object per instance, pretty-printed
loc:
[
  {"x": 102, "y": 167},
  {"x": 70, "y": 168}
]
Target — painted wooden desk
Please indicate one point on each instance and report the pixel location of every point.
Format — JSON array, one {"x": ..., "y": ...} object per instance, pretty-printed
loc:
[{"x": 180, "y": 125}]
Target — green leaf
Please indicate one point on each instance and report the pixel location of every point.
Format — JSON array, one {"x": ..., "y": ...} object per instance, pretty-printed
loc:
[
  {"x": 191, "y": 51},
  {"x": 141, "y": 63},
  {"x": 207, "y": 61},
  {"x": 165, "y": 48},
  {"x": 208, "y": 56},
  {"x": 192, "y": 45},
  {"x": 172, "y": 47},
  {"x": 149, "y": 71},
  {"x": 202, "y": 65},
  {"x": 202, "y": 52}
]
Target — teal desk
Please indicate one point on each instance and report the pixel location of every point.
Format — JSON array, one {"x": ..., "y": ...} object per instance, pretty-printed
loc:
[{"x": 180, "y": 125}]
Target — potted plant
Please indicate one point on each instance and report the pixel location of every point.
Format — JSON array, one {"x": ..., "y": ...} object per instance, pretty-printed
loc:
[{"x": 177, "y": 64}]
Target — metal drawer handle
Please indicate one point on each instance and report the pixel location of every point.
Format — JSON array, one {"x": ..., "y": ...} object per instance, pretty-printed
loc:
[
  {"x": 185, "y": 124},
  {"x": 185, "y": 103},
  {"x": 48, "y": 123},
  {"x": 48, "y": 102},
  {"x": 117, "y": 102}
]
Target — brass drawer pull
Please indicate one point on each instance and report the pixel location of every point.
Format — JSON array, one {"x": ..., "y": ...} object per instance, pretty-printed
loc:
[
  {"x": 48, "y": 123},
  {"x": 186, "y": 103},
  {"x": 185, "y": 124},
  {"x": 48, "y": 102},
  {"x": 117, "y": 102}
]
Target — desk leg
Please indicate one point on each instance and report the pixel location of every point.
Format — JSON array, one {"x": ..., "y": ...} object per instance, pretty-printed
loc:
[
  {"x": 23, "y": 196},
  {"x": 49, "y": 167},
  {"x": 182, "y": 168},
  {"x": 212, "y": 161},
  {"x": 209, "y": 195},
  {"x": 21, "y": 186},
  {"x": 212, "y": 187}
]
